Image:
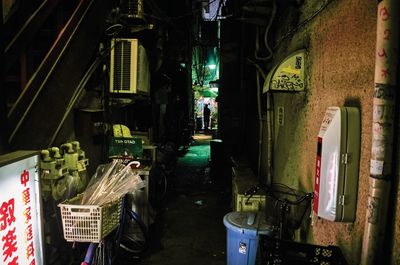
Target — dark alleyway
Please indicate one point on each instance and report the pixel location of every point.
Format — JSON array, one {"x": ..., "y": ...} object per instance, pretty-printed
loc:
[{"x": 188, "y": 227}]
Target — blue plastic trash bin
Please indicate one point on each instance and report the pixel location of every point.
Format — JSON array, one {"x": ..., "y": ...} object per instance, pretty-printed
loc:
[{"x": 243, "y": 229}]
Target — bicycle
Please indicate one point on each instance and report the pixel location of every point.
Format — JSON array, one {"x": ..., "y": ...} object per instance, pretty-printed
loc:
[
  {"x": 130, "y": 239},
  {"x": 285, "y": 207},
  {"x": 130, "y": 234}
]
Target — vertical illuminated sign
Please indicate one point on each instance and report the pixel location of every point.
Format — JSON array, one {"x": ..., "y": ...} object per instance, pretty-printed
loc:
[{"x": 20, "y": 210}]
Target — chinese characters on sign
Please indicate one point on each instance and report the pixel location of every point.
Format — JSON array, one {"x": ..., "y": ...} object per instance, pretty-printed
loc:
[
  {"x": 26, "y": 199},
  {"x": 9, "y": 240},
  {"x": 17, "y": 241}
]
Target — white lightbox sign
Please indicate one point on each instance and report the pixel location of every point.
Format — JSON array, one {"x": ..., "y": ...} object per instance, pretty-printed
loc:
[{"x": 21, "y": 238}]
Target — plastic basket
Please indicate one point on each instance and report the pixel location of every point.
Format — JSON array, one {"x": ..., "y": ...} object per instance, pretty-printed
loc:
[
  {"x": 282, "y": 252},
  {"x": 88, "y": 223}
]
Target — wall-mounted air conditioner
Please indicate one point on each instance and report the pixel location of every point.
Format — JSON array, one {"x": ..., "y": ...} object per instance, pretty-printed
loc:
[{"x": 129, "y": 67}]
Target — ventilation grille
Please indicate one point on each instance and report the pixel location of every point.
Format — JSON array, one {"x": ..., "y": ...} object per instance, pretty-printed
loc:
[
  {"x": 122, "y": 66},
  {"x": 129, "y": 67}
]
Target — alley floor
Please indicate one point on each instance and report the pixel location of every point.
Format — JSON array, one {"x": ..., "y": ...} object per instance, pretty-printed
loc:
[{"x": 188, "y": 228}]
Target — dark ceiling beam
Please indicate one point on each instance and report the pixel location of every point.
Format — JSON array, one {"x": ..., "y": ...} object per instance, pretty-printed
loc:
[{"x": 17, "y": 44}]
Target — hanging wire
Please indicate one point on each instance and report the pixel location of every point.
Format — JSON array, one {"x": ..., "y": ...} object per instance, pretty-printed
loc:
[
  {"x": 114, "y": 30},
  {"x": 258, "y": 67},
  {"x": 266, "y": 33},
  {"x": 303, "y": 23}
]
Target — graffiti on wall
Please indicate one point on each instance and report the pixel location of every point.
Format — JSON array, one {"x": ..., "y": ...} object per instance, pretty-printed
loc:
[{"x": 288, "y": 75}]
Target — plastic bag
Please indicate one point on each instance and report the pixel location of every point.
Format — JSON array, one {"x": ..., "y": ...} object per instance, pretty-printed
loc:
[{"x": 111, "y": 182}]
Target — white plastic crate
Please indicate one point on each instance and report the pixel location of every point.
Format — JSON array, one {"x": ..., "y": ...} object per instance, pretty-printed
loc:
[
  {"x": 88, "y": 223},
  {"x": 243, "y": 179},
  {"x": 247, "y": 203}
]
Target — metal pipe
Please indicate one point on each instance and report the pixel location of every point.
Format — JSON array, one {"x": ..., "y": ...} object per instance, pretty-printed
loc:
[
  {"x": 387, "y": 38},
  {"x": 260, "y": 129},
  {"x": 270, "y": 141},
  {"x": 259, "y": 115}
]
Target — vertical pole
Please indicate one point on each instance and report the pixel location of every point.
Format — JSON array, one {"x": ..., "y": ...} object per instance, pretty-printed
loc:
[
  {"x": 242, "y": 90},
  {"x": 382, "y": 130}
]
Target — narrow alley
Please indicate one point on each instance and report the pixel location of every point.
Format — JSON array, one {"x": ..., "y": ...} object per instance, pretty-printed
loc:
[
  {"x": 189, "y": 227},
  {"x": 212, "y": 132}
]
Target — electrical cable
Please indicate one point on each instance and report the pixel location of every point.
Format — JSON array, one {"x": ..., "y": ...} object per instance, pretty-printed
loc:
[
  {"x": 303, "y": 23},
  {"x": 113, "y": 30},
  {"x": 270, "y": 52},
  {"x": 258, "y": 73},
  {"x": 257, "y": 67}
]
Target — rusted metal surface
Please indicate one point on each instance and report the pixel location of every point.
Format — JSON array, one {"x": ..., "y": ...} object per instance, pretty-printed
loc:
[{"x": 41, "y": 107}]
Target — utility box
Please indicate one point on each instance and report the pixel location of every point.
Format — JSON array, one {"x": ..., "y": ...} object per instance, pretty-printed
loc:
[{"x": 337, "y": 165}]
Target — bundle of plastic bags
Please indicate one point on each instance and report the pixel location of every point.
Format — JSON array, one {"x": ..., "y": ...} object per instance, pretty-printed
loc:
[{"x": 111, "y": 182}]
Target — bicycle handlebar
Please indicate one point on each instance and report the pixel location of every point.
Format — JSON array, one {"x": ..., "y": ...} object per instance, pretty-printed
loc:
[{"x": 270, "y": 191}]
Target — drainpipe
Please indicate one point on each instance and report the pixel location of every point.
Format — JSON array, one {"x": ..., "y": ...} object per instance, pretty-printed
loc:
[
  {"x": 268, "y": 179},
  {"x": 259, "y": 124},
  {"x": 383, "y": 123},
  {"x": 258, "y": 73}
]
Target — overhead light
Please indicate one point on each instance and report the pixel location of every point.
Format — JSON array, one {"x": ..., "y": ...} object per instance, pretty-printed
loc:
[{"x": 212, "y": 66}]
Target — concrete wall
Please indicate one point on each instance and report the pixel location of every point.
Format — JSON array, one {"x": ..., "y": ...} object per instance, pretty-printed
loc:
[
  {"x": 340, "y": 69},
  {"x": 342, "y": 55}
]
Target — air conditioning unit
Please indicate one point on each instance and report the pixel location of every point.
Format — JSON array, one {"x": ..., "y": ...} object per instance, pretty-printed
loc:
[{"x": 129, "y": 67}]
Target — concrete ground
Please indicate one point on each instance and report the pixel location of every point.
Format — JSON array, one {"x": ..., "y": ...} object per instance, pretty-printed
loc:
[{"x": 188, "y": 227}]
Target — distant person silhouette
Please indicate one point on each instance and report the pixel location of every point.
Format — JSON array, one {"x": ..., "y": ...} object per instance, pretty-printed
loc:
[{"x": 206, "y": 116}]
